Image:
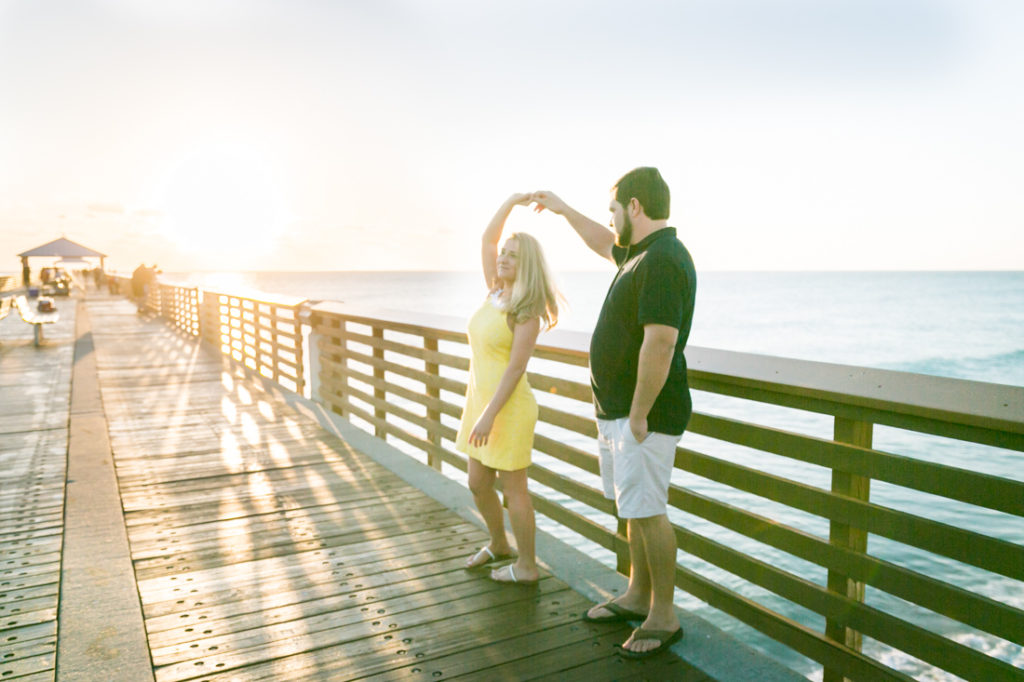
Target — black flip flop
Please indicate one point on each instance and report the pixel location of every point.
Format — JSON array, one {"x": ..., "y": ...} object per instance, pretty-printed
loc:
[
  {"x": 666, "y": 638},
  {"x": 619, "y": 614}
]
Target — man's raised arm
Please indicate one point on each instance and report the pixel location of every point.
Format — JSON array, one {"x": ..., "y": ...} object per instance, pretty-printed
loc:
[{"x": 598, "y": 237}]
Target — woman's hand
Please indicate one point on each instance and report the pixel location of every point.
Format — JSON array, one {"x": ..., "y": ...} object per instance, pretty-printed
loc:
[
  {"x": 519, "y": 199},
  {"x": 481, "y": 430},
  {"x": 549, "y": 200}
]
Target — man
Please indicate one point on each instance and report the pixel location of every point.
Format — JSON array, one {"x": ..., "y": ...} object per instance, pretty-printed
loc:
[{"x": 641, "y": 395}]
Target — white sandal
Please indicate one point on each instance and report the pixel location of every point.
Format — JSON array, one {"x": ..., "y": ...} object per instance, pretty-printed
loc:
[{"x": 491, "y": 558}]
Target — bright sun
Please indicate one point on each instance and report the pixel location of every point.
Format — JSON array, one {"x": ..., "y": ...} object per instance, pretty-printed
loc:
[{"x": 223, "y": 199}]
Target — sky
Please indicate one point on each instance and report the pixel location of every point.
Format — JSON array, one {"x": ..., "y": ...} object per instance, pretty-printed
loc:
[{"x": 337, "y": 135}]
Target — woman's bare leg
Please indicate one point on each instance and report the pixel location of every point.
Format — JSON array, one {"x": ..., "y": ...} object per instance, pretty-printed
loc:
[
  {"x": 521, "y": 518},
  {"x": 481, "y": 484}
]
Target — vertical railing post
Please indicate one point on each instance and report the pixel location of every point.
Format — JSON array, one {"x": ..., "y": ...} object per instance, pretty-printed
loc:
[
  {"x": 313, "y": 357},
  {"x": 622, "y": 562},
  {"x": 857, "y": 433},
  {"x": 433, "y": 392},
  {"x": 379, "y": 393},
  {"x": 193, "y": 311},
  {"x": 342, "y": 359},
  {"x": 200, "y": 314},
  {"x": 209, "y": 320},
  {"x": 300, "y": 352},
  {"x": 166, "y": 302}
]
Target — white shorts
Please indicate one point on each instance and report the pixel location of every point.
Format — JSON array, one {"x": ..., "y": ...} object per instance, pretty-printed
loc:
[{"x": 635, "y": 475}]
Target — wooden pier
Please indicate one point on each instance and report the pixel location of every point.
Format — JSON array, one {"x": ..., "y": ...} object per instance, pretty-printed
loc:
[
  {"x": 236, "y": 539},
  {"x": 255, "y": 487}
]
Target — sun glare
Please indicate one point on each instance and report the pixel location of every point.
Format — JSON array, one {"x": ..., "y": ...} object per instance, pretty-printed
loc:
[{"x": 223, "y": 200}]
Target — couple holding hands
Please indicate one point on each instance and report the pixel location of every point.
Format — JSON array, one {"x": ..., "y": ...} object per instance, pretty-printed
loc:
[{"x": 638, "y": 376}]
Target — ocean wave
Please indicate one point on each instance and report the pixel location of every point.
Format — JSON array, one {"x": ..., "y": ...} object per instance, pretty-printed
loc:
[
  {"x": 1002, "y": 368},
  {"x": 919, "y": 670}
]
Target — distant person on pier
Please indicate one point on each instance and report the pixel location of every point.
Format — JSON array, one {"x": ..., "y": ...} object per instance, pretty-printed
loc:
[
  {"x": 139, "y": 275},
  {"x": 641, "y": 395},
  {"x": 143, "y": 279},
  {"x": 500, "y": 414}
]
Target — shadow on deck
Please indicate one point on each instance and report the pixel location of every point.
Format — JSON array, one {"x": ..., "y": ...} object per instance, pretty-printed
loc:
[{"x": 262, "y": 546}]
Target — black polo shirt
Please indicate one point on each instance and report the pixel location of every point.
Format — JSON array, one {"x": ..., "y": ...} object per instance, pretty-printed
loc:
[{"x": 656, "y": 284}]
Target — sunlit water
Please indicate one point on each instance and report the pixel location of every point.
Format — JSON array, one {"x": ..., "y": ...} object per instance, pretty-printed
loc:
[{"x": 964, "y": 325}]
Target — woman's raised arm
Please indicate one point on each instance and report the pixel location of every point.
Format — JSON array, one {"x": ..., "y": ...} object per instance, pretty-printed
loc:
[{"x": 492, "y": 235}]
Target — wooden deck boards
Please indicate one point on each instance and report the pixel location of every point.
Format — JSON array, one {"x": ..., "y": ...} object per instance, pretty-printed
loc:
[
  {"x": 265, "y": 548},
  {"x": 35, "y": 393}
]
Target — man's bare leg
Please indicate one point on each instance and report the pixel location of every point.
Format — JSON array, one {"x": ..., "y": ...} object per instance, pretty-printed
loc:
[
  {"x": 637, "y": 596},
  {"x": 659, "y": 543}
]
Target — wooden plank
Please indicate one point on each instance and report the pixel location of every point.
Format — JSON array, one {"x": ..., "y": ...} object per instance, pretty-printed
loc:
[
  {"x": 954, "y": 602},
  {"x": 365, "y": 648},
  {"x": 268, "y": 547},
  {"x": 845, "y": 611},
  {"x": 953, "y": 482},
  {"x": 284, "y": 589},
  {"x": 999, "y": 556},
  {"x": 15, "y": 637},
  {"x": 429, "y": 355},
  {"x": 931, "y": 404},
  {"x": 274, "y": 528},
  {"x": 250, "y": 635},
  {"x": 577, "y": 651},
  {"x": 34, "y": 408},
  {"x": 23, "y": 668},
  {"x": 22, "y": 576}
]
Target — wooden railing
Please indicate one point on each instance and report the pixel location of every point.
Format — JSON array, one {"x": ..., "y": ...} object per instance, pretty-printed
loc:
[
  {"x": 263, "y": 333},
  {"x": 403, "y": 376},
  {"x": 178, "y": 305}
]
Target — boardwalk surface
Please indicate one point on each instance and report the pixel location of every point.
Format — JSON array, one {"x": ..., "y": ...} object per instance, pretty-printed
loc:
[
  {"x": 262, "y": 547},
  {"x": 35, "y": 394}
]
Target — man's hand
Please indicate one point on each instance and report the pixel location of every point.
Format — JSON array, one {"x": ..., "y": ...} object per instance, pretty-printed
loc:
[
  {"x": 638, "y": 426},
  {"x": 549, "y": 200},
  {"x": 652, "y": 370}
]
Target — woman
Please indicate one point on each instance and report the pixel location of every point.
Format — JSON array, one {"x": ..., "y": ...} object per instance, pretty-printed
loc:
[{"x": 497, "y": 424}]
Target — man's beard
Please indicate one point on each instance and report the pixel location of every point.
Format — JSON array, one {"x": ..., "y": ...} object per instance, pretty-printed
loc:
[{"x": 622, "y": 239}]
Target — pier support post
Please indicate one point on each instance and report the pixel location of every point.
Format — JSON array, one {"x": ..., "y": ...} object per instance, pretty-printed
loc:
[
  {"x": 433, "y": 415},
  {"x": 857, "y": 433},
  {"x": 623, "y": 564},
  {"x": 379, "y": 393}
]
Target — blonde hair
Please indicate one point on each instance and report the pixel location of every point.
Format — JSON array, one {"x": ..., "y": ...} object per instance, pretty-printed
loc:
[{"x": 533, "y": 292}]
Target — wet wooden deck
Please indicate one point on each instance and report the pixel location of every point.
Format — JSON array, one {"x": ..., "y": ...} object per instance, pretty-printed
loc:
[{"x": 262, "y": 546}]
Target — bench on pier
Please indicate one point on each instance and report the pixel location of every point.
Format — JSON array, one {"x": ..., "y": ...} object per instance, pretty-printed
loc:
[
  {"x": 31, "y": 314},
  {"x": 5, "y": 306}
]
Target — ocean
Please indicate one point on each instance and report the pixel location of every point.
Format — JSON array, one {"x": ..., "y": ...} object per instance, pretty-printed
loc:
[{"x": 967, "y": 325}]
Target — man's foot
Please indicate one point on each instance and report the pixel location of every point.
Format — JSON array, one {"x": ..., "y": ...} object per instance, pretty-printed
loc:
[
  {"x": 486, "y": 555},
  {"x": 612, "y": 612},
  {"x": 645, "y": 643}
]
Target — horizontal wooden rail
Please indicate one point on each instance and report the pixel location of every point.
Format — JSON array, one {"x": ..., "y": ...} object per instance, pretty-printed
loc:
[
  {"x": 263, "y": 333},
  {"x": 402, "y": 373}
]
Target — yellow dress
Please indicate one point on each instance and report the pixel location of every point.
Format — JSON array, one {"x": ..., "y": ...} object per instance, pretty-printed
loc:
[{"x": 510, "y": 442}]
